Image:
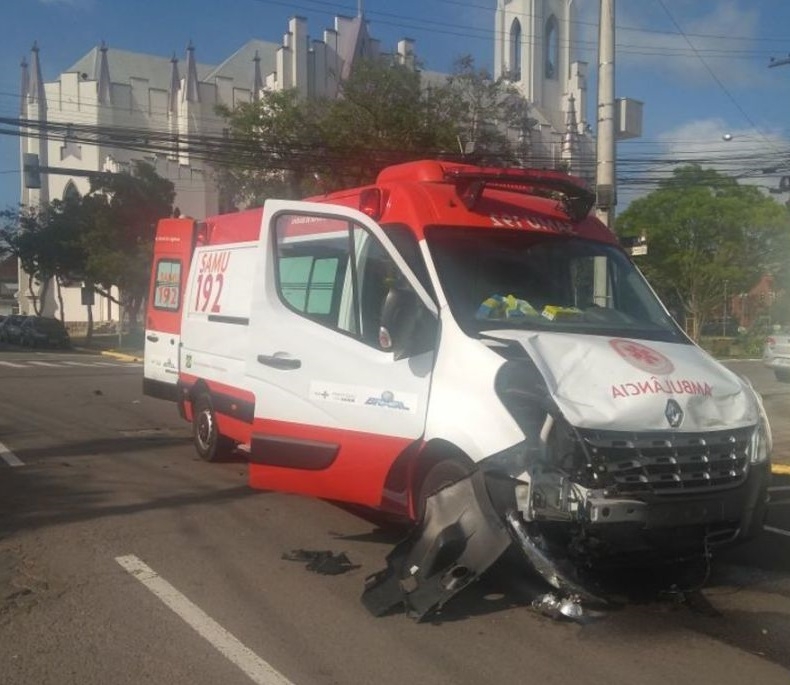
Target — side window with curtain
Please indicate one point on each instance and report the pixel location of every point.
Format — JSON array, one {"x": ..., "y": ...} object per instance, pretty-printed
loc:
[{"x": 167, "y": 285}]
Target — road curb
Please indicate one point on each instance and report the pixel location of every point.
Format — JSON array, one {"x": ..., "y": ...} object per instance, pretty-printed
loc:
[
  {"x": 121, "y": 356},
  {"x": 780, "y": 469}
]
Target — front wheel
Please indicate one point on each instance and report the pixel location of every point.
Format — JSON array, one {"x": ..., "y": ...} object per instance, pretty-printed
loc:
[{"x": 209, "y": 443}]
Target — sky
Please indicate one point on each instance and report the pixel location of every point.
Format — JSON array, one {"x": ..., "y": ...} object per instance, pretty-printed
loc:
[{"x": 701, "y": 67}]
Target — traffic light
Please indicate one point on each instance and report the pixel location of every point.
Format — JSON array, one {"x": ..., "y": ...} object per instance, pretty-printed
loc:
[{"x": 31, "y": 170}]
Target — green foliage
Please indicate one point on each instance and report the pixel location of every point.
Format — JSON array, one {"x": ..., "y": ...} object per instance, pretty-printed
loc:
[
  {"x": 286, "y": 146},
  {"x": 484, "y": 110},
  {"x": 47, "y": 240},
  {"x": 272, "y": 148},
  {"x": 707, "y": 236},
  {"x": 120, "y": 214},
  {"x": 105, "y": 238}
]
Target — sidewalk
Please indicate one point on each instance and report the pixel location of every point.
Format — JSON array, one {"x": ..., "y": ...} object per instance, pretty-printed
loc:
[{"x": 128, "y": 348}]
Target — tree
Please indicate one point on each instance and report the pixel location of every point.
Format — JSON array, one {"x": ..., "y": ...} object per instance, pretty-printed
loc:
[
  {"x": 707, "y": 236},
  {"x": 119, "y": 217},
  {"x": 272, "y": 148},
  {"x": 285, "y": 145},
  {"x": 486, "y": 112},
  {"x": 383, "y": 116},
  {"x": 48, "y": 242}
]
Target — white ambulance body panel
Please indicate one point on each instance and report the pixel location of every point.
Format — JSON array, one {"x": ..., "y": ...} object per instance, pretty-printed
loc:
[{"x": 215, "y": 327}]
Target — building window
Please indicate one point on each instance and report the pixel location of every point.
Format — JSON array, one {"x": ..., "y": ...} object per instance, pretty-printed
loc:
[
  {"x": 551, "y": 57},
  {"x": 71, "y": 192},
  {"x": 514, "y": 72}
]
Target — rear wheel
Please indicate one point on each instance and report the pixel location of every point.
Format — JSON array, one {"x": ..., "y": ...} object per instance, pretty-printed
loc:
[
  {"x": 441, "y": 474},
  {"x": 782, "y": 375},
  {"x": 209, "y": 443}
]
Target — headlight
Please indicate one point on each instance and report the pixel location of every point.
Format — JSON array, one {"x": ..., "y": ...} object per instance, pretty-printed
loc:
[{"x": 761, "y": 443}]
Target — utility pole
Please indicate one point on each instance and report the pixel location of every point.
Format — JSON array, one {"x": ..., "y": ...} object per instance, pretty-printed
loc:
[
  {"x": 784, "y": 182},
  {"x": 605, "y": 180}
]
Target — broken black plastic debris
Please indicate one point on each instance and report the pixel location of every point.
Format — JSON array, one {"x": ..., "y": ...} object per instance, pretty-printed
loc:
[
  {"x": 461, "y": 535},
  {"x": 325, "y": 562}
]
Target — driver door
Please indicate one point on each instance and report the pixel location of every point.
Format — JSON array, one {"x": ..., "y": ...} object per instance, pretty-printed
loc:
[{"x": 333, "y": 410}]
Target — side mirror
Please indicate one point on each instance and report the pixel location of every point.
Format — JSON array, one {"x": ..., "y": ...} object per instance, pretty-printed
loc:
[{"x": 407, "y": 327}]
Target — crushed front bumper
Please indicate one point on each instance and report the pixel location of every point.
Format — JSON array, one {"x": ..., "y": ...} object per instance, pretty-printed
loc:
[{"x": 469, "y": 525}]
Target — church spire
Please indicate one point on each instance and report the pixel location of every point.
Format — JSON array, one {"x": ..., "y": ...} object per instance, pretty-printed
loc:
[
  {"x": 25, "y": 83},
  {"x": 257, "y": 80},
  {"x": 36, "y": 84},
  {"x": 570, "y": 146},
  {"x": 192, "y": 90},
  {"x": 103, "y": 83},
  {"x": 175, "y": 86}
]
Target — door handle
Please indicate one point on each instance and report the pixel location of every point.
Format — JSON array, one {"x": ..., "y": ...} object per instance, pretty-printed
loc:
[
  {"x": 278, "y": 361},
  {"x": 152, "y": 338}
]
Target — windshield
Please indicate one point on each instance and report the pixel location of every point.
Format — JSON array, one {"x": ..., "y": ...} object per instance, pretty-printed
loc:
[{"x": 536, "y": 281}]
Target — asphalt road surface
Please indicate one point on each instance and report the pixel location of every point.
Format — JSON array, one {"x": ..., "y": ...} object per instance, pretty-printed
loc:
[{"x": 125, "y": 559}]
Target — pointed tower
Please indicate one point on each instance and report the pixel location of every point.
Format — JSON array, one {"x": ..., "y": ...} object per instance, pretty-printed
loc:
[
  {"x": 103, "y": 83},
  {"x": 192, "y": 88},
  {"x": 36, "y": 95},
  {"x": 190, "y": 108},
  {"x": 570, "y": 145},
  {"x": 175, "y": 87},
  {"x": 24, "y": 89},
  {"x": 257, "y": 80},
  {"x": 533, "y": 49},
  {"x": 34, "y": 109}
]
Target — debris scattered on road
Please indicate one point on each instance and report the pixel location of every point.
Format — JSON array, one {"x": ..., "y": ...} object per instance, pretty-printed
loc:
[
  {"x": 325, "y": 562},
  {"x": 558, "y": 608}
]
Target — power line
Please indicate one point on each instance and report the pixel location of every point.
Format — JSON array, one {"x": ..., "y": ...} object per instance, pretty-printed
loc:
[{"x": 712, "y": 73}]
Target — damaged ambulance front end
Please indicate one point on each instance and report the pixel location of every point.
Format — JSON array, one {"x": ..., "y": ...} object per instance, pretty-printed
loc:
[{"x": 637, "y": 447}]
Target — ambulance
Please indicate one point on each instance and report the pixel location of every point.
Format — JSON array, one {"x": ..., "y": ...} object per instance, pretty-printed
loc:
[{"x": 464, "y": 346}]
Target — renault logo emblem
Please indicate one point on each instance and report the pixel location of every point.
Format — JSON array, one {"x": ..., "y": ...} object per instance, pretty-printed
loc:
[{"x": 674, "y": 413}]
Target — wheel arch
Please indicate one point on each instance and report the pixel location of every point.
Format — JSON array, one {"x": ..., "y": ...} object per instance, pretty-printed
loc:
[{"x": 410, "y": 468}]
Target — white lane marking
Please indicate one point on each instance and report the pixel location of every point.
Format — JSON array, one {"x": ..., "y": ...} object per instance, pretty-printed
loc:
[
  {"x": 9, "y": 457},
  {"x": 778, "y": 531},
  {"x": 45, "y": 364},
  {"x": 780, "y": 488},
  {"x": 258, "y": 670},
  {"x": 108, "y": 364},
  {"x": 78, "y": 363},
  {"x": 15, "y": 365}
]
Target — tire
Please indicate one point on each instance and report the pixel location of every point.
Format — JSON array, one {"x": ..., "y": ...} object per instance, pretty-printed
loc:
[
  {"x": 782, "y": 375},
  {"x": 441, "y": 474},
  {"x": 209, "y": 444}
]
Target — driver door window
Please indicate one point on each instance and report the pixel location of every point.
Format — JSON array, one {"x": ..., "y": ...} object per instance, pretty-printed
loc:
[{"x": 335, "y": 273}]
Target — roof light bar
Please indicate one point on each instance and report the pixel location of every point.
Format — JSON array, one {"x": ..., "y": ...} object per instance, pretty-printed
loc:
[{"x": 575, "y": 199}]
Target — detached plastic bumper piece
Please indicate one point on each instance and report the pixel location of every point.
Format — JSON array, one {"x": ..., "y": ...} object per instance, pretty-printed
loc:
[{"x": 461, "y": 535}]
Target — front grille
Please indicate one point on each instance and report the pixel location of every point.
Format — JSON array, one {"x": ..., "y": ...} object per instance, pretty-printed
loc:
[{"x": 666, "y": 463}]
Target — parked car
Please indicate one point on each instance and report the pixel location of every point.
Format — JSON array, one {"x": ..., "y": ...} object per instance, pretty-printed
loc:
[
  {"x": 776, "y": 353},
  {"x": 11, "y": 328},
  {"x": 42, "y": 331}
]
